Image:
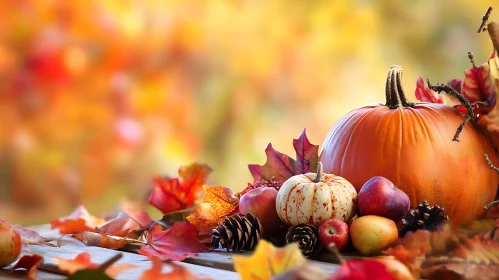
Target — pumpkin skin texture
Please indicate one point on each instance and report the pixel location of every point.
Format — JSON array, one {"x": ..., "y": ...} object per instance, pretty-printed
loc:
[
  {"x": 411, "y": 145},
  {"x": 304, "y": 199}
]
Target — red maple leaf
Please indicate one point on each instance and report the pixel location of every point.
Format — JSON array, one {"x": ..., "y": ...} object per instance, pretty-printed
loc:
[
  {"x": 169, "y": 195},
  {"x": 176, "y": 243},
  {"x": 281, "y": 167}
]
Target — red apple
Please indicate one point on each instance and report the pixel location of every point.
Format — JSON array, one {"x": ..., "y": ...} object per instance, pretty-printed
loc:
[
  {"x": 10, "y": 244},
  {"x": 333, "y": 233},
  {"x": 379, "y": 196},
  {"x": 261, "y": 203}
]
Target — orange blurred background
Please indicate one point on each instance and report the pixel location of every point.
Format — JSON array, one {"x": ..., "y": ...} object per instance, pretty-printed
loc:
[{"x": 96, "y": 97}]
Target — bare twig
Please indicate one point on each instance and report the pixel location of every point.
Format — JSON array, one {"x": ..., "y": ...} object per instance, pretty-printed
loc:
[
  {"x": 491, "y": 165},
  {"x": 471, "y": 56},
  {"x": 490, "y": 205},
  {"x": 460, "y": 129},
  {"x": 110, "y": 262},
  {"x": 485, "y": 18}
]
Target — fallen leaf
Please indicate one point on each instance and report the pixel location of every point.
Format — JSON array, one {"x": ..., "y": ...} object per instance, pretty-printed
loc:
[
  {"x": 30, "y": 263},
  {"x": 307, "y": 155},
  {"x": 217, "y": 203},
  {"x": 424, "y": 94},
  {"x": 178, "y": 272},
  {"x": 305, "y": 271},
  {"x": 281, "y": 167},
  {"x": 175, "y": 194},
  {"x": 31, "y": 237},
  {"x": 102, "y": 240},
  {"x": 83, "y": 261},
  {"x": 362, "y": 270},
  {"x": 79, "y": 220},
  {"x": 268, "y": 261},
  {"x": 124, "y": 223},
  {"x": 85, "y": 274},
  {"x": 429, "y": 253},
  {"x": 175, "y": 243}
]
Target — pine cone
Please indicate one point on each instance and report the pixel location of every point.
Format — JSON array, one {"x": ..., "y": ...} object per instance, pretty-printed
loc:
[
  {"x": 424, "y": 217},
  {"x": 236, "y": 233},
  {"x": 306, "y": 236}
]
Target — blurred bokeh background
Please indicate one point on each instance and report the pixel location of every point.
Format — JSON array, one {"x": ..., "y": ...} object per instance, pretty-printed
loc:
[{"x": 96, "y": 97}]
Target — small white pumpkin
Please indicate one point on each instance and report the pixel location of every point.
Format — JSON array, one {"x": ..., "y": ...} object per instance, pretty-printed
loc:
[{"x": 313, "y": 198}]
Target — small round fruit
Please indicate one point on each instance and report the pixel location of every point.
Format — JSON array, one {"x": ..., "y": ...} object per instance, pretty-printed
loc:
[
  {"x": 261, "y": 203},
  {"x": 371, "y": 234},
  {"x": 333, "y": 233},
  {"x": 397, "y": 269},
  {"x": 10, "y": 244}
]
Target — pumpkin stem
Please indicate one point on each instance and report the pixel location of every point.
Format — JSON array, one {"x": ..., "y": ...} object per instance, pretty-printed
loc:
[
  {"x": 320, "y": 173},
  {"x": 395, "y": 96}
]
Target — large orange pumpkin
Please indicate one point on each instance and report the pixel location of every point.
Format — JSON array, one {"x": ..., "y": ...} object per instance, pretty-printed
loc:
[{"x": 411, "y": 145}]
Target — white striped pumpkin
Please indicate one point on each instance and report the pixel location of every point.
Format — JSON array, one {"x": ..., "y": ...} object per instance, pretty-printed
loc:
[{"x": 313, "y": 198}]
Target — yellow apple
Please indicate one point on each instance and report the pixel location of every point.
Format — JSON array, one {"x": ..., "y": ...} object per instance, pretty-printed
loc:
[{"x": 371, "y": 234}]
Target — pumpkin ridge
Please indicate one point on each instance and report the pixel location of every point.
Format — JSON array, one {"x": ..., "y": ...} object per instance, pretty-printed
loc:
[{"x": 353, "y": 132}]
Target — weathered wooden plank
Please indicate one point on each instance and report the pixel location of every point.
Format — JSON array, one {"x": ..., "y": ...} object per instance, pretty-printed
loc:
[{"x": 72, "y": 247}]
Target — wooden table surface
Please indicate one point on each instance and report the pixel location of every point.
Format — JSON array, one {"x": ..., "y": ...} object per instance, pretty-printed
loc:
[{"x": 217, "y": 264}]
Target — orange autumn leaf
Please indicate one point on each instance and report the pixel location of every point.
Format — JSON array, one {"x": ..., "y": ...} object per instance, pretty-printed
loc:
[
  {"x": 124, "y": 223},
  {"x": 218, "y": 201},
  {"x": 432, "y": 254},
  {"x": 178, "y": 272},
  {"x": 268, "y": 261},
  {"x": 83, "y": 261},
  {"x": 79, "y": 220},
  {"x": 30, "y": 263},
  {"x": 169, "y": 195},
  {"x": 101, "y": 240}
]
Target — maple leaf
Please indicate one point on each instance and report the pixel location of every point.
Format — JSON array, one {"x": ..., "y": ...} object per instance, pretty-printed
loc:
[
  {"x": 175, "y": 243},
  {"x": 217, "y": 203},
  {"x": 29, "y": 263},
  {"x": 79, "y": 220},
  {"x": 362, "y": 270},
  {"x": 169, "y": 195},
  {"x": 424, "y": 94},
  {"x": 31, "y": 237},
  {"x": 178, "y": 272},
  {"x": 83, "y": 261},
  {"x": 268, "y": 261},
  {"x": 124, "y": 223},
  {"x": 102, "y": 240},
  {"x": 281, "y": 167}
]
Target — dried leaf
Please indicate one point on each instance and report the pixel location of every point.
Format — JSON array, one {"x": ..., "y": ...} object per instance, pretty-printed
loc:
[
  {"x": 362, "y": 270},
  {"x": 79, "y": 220},
  {"x": 30, "y": 263},
  {"x": 178, "y": 272},
  {"x": 218, "y": 202},
  {"x": 281, "y": 167},
  {"x": 32, "y": 237},
  {"x": 305, "y": 271},
  {"x": 175, "y": 243},
  {"x": 428, "y": 253},
  {"x": 307, "y": 155},
  {"x": 268, "y": 261},
  {"x": 170, "y": 195},
  {"x": 102, "y": 240},
  {"x": 85, "y": 274},
  {"x": 477, "y": 85},
  {"x": 424, "y": 94},
  {"x": 83, "y": 261},
  {"x": 124, "y": 223}
]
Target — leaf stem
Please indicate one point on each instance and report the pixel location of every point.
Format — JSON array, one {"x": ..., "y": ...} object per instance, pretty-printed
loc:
[{"x": 110, "y": 262}]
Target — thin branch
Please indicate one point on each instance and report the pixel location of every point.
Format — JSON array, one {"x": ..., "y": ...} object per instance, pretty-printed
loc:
[
  {"x": 460, "y": 129},
  {"x": 110, "y": 262},
  {"x": 490, "y": 205},
  {"x": 485, "y": 18},
  {"x": 450, "y": 91},
  {"x": 471, "y": 56},
  {"x": 491, "y": 165}
]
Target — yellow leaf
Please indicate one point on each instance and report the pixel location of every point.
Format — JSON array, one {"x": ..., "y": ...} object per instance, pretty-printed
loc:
[{"x": 268, "y": 261}]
